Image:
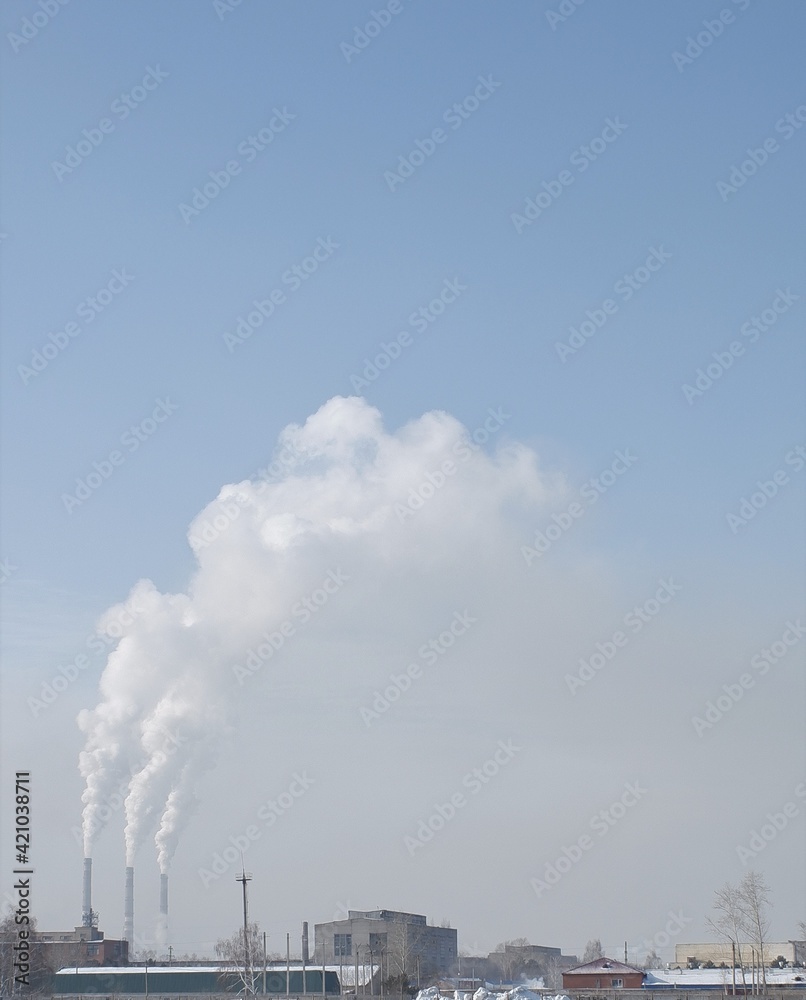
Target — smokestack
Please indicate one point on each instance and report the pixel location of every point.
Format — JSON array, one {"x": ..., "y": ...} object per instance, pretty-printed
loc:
[
  {"x": 164, "y": 895},
  {"x": 304, "y": 942},
  {"x": 128, "y": 907},
  {"x": 86, "y": 899}
]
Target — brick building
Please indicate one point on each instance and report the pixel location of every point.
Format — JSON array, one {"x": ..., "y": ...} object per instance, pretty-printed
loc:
[
  {"x": 83, "y": 946},
  {"x": 603, "y": 974}
]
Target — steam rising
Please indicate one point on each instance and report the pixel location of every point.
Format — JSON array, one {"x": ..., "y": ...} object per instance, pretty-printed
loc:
[{"x": 342, "y": 493}]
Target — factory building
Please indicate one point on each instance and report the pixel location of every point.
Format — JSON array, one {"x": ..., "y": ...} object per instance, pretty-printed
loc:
[
  {"x": 396, "y": 941},
  {"x": 83, "y": 946},
  {"x": 721, "y": 952}
]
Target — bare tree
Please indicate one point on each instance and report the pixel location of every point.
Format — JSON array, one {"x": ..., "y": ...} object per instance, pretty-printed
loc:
[
  {"x": 553, "y": 973},
  {"x": 509, "y": 959},
  {"x": 729, "y": 923},
  {"x": 593, "y": 950},
  {"x": 245, "y": 963},
  {"x": 653, "y": 960},
  {"x": 33, "y": 973},
  {"x": 402, "y": 952},
  {"x": 753, "y": 895}
]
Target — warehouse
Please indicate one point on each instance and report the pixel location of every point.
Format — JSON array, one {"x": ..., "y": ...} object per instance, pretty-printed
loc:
[{"x": 163, "y": 980}]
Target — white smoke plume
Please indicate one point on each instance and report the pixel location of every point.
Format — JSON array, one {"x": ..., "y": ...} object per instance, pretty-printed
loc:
[{"x": 349, "y": 498}]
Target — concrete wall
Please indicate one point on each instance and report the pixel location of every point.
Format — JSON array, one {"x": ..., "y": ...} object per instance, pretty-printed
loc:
[{"x": 720, "y": 951}]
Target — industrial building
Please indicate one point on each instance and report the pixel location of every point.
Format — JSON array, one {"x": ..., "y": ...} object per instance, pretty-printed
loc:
[
  {"x": 163, "y": 980},
  {"x": 529, "y": 960},
  {"x": 396, "y": 941},
  {"x": 722, "y": 953},
  {"x": 83, "y": 946}
]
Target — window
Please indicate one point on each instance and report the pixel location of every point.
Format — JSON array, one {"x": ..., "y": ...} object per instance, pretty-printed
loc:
[
  {"x": 616, "y": 983},
  {"x": 377, "y": 942},
  {"x": 342, "y": 945}
]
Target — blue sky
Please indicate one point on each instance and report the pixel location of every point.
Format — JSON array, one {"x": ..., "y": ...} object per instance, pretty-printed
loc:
[{"x": 222, "y": 76}]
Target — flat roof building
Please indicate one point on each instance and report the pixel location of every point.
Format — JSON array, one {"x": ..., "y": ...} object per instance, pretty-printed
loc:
[
  {"x": 82, "y": 946},
  {"x": 398, "y": 942},
  {"x": 719, "y": 952}
]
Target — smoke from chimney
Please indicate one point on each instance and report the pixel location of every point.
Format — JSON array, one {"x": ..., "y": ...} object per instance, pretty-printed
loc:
[
  {"x": 173, "y": 687},
  {"x": 128, "y": 907},
  {"x": 86, "y": 899}
]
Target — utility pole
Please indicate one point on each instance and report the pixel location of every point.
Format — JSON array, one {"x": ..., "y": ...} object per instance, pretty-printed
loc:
[{"x": 243, "y": 878}]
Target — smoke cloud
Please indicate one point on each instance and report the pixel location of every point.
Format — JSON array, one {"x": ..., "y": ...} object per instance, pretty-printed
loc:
[{"x": 344, "y": 500}]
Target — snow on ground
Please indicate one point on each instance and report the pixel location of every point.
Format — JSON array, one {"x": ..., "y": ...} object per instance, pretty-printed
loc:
[{"x": 516, "y": 993}]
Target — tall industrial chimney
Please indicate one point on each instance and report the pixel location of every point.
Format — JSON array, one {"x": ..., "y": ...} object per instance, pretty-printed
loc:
[
  {"x": 305, "y": 942},
  {"x": 86, "y": 898},
  {"x": 128, "y": 908},
  {"x": 164, "y": 895}
]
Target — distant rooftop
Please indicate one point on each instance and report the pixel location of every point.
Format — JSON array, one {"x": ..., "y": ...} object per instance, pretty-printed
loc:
[{"x": 409, "y": 918}]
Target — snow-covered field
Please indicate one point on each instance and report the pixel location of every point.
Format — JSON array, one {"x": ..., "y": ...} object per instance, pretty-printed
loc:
[{"x": 516, "y": 993}]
